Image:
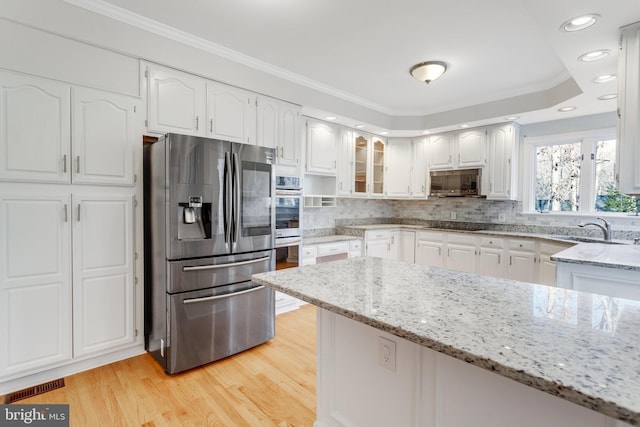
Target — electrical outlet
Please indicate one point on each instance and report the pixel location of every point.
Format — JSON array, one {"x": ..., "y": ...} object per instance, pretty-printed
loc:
[
  {"x": 502, "y": 217},
  {"x": 387, "y": 353},
  {"x": 453, "y": 215}
]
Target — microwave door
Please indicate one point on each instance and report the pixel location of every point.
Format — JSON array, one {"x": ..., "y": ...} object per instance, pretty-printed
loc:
[{"x": 253, "y": 217}]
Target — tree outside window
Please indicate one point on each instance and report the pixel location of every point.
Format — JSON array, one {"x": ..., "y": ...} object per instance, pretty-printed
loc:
[
  {"x": 558, "y": 177},
  {"x": 608, "y": 198}
]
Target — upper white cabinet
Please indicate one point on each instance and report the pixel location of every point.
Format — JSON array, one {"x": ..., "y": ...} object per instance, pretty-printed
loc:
[
  {"x": 80, "y": 135},
  {"x": 361, "y": 172},
  {"x": 463, "y": 149},
  {"x": 345, "y": 172},
  {"x": 279, "y": 126},
  {"x": 628, "y": 147},
  {"x": 419, "y": 172},
  {"x": 502, "y": 167},
  {"x": 176, "y": 102},
  {"x": 378, "y": 161},
  {"x": 321, "y": 148},
  {"x": 231, "y": 113},
  {"x": 398, "y": 168}
]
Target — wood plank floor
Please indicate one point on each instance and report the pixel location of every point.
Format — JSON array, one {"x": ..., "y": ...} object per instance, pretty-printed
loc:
[{"x": 273, "y": 384}]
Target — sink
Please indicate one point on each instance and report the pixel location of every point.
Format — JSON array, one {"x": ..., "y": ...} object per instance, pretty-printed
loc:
[{"x": 581, "y": 239}]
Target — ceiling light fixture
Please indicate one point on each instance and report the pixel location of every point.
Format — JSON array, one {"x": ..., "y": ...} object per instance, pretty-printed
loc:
[
  {"x": 566, "y": 109},
  {"x": 464, "y": 126},
  {"x": 426, "y": 132},
  {"x": 384, "y": 133},
  {"x": 604, "y": 78},
  {"x": 511, "y": 118},
  {"x": 428, "y": 71},
  {"x": 330, "y": 118},
  {"x": 594, "y": 56},
  {"x": 580, "y": 22},
  {"x": 358, "y": 126},
  {"x": 607, "y": 97}
]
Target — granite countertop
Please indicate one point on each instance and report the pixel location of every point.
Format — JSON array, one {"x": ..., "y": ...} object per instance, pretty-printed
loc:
[
  {"x": 626, "y": 257},
  {"x": 563, "y": 342},
  {"x": 327, "y": 239}
]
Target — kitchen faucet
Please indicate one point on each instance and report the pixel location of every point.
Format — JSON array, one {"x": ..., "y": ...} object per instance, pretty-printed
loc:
[{"x": 606, "y": 229}]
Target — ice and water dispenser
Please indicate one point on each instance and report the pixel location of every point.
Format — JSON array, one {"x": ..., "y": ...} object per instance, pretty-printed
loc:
[{"x": 194, "y": 219}]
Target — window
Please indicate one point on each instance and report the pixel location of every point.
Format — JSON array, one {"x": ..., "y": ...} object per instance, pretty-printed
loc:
[{"x": 574, "y": 173}]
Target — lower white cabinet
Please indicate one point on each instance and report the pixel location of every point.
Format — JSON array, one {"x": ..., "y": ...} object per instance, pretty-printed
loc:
[
  {"x": 612, "y": 282},
  {"x": 403, "y": 245},
  {"x": 430, "y": 248},
  {"x": 378, "y": 244},
  {"x": 491, "y": 256},
  {"x": 546, "y": 267},
  {"x": 521, "y": 260},
  {"x": 461, "y": 252},
  {"x": 52, "y": 313}
]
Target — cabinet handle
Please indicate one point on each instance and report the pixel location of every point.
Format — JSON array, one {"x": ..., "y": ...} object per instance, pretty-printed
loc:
[
  {"x": 449, "y": 253},
  {"x": 197, "y": 122},
  {"x": 66, "y": 214},
  {"x": 78, "y": 164},
  {"x": 282, "y": 151},
  {"x": 78, "y": 212},
  {"x": 423, "y": 188},
  {"x": 499, "y": 258},
  {"x": 64, "y": 163},
  {"x": 210, "y": 125},
  {"x": 439, "y": 251},
  {"x": 510, "y": 260}
]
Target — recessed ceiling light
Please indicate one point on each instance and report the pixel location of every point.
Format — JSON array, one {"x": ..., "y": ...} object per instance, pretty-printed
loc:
[
  {"x": 359, "y": 126},
  {"x": 607, "y": 97},
  {"x": 510, "y": 118},
  {"x": 604, "y": 78},
  {"x": 566, "y": 109},
  {"x": 330, "y": 118},
  {"x": 580, "y": 22},
  {"x": 426, "y": 132},
  {"x": 594, "y": 56},
  {"x": 384, "y": 133},
  {"x": 464, "y": 126}
]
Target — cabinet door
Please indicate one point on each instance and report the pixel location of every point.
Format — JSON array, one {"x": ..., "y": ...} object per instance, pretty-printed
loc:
[
  {"x": 379, "y": 248},
  {"x": 378, "y": 160},
  {"x": 104, "y": 137},
  {"x": 546, "y": 273},
  {"x": 103, "y": 315},
  {"x": 177, "y": 102},
  {"x": 403, "y": 245},
  {"x": 429, "y": 249},
  {"x": 419, "y": 172},
  {"x": 344, "y": 174},
  {"x": 397, "y": 178},
  {"x": 35, "y": 282},
  {"x": 461, "y": 257},
  {"x": 472, "y": 148},
  {"x": 267, "y": 123},
  {"x": 490, "y": 262},
  {"x": 440, "y": 151},
  {"x": 231, "y": 113},
  {"x": 502, "y": 163},
  {"x": 34, "y": 129},
  {"x": 321, "y": 148},
  {"x": 521, "y": 266},
  {"x": 360, "y": 165},
  {"x": 290, "y": 136}
]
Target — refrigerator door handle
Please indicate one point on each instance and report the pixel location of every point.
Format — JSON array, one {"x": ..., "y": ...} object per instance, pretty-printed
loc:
[
  {"x": 236, "y": 199},
  {"x": 219, "y": 297},
  {"x": 215, "y": 266},
  {"x": 228, "y": 191}
]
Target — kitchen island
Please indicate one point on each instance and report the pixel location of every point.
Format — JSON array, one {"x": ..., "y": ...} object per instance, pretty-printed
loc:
[{"x": 403, "y": 344}]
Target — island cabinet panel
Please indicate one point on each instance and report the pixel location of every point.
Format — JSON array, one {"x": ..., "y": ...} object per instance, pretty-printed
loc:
[{"x": 357, "y": 387}]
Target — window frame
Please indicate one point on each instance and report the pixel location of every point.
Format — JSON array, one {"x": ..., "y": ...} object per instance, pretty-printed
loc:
[{"x": 588, "y": 140}]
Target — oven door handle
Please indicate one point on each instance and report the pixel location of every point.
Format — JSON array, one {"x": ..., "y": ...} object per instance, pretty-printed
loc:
[
  {"x": 219, "y": 297},
  {"x": 216, "y": 266}
]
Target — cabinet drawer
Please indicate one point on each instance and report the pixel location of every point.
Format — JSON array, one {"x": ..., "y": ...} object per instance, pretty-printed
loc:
[
  {"x": 522, "y": 245},
  {"x": 333, "y": 248},
  {"x": 377, "y": 235},
  {"x": 430, "y": 236},
  {"x": 461, "y": 238},
  {"x": 491, "y": 242},
  {"x": 355, "y": 245},
  {"x": 309, "y": 251}
]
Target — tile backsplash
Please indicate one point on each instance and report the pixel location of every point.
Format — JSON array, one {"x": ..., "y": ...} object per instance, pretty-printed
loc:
[{"x": 493, "y": 214}]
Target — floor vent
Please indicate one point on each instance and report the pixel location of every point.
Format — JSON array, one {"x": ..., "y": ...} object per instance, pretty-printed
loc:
[{"x": 33, "y": 391}]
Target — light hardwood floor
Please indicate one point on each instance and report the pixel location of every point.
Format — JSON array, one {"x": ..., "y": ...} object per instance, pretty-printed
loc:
[{"x": 273, "y": 384}]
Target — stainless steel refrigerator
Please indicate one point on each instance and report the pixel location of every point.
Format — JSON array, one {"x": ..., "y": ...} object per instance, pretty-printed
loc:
[{"x": 209, "y": 225}]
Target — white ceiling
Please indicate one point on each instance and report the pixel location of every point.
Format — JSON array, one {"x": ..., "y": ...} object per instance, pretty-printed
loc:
[{"x": 361, "y": 51}]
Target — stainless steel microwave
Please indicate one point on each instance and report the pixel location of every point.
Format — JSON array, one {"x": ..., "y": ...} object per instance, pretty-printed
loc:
[{"x": 455, "y": 183}]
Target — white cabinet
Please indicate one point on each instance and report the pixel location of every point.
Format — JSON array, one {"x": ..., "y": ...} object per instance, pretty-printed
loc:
[
  {"x": 612, "y": 282},
  {"x": 35, "y": 288},
  {"x": 279, "y": 126},
  {"x": 321, "y": 148},
  {"x": 361, "y": 172},
  {"x": 378, "y": 244},
  {"x": 345, "y": 172},
  {"x": 419, "y": 172},
  {"x": 441, "y": 151},
  {"x": 34, "y": 119},
  {"x": 491, "y": 257},
  {"x": 521, "y": 260},
  {"x": 355, "y": 248},
  {"x": 176, "y": 102},
  {"x": 308, "y": 256},
  {"x": 471, "y": 147},
  {"x": 51, "y": 132},
  {"x": 378, "y": 161},
  {"x": 403, "y": 245},
  {"x": 502, "y": 167},
  {"x": 546, "y": 273},
  {"x": 430, "y": 246},
  {"x": 231, "y": 113},
  {"x": 628, "y": 148},
  {"x": 103, "y": 312},
  {"x": 37, "y": 300},
  {"x": 461, "y": 252},
  {"x": 398, "y": 165}
]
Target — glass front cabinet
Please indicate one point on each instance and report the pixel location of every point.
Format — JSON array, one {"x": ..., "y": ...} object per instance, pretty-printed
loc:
[{"x": 368, "y": 165}]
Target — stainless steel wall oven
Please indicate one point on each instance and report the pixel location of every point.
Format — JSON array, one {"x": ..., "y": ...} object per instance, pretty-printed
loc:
[{"x": 288, "y": 207}]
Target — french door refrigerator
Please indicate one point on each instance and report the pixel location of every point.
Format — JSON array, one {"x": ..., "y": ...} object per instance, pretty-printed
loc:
[{"x": 209, "y": 225}]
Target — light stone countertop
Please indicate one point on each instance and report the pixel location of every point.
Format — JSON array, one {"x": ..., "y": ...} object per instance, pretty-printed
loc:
[
  {"x": 626, "y": 257},
  {"x": 560, "y": 341}
]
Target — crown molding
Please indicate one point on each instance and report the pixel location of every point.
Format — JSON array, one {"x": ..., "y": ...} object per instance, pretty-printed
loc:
[{"x": 108, "y": 10}]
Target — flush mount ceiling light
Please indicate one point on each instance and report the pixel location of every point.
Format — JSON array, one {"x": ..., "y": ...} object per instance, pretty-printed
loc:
[
  {"x": 607, "y": 97},
  {"x": 428, "y": 71},
  {"x": 580, "y": 22},
  {"x": 330, "y": 118},
  {"x": 358, "y": 126},
  {"x": 511, "y": 118},
  {"x": 604, "y": 78},
  {"x": 566, "y": 109},
  {"x": 594, "y": 56}
]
